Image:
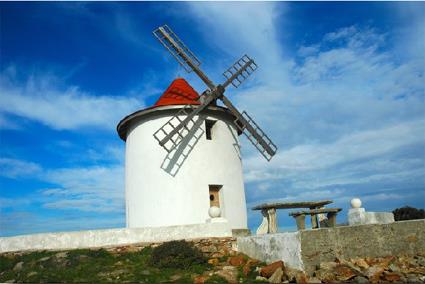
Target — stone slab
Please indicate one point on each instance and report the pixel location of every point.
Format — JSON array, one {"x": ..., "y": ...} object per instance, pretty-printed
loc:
[
  {"x": 112, "y": 237},
  {"x": 290, "y": 205}
]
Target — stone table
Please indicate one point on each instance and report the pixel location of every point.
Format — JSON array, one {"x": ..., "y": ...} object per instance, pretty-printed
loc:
[{"x": 269, "y": 224}]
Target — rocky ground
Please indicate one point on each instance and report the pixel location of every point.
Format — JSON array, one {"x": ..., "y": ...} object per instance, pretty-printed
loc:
[{"x": 130, "y": 264}]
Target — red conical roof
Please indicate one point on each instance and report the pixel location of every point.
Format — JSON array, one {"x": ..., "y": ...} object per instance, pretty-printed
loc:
[{"x": 178, "y": 93}]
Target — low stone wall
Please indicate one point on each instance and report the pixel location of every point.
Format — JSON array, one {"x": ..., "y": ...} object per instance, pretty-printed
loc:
[
  {"x": 308, "y": 248},
  {"x": 272, "y": 247},
  {"x": 398, "y": 238},
  {"x": 112, "y": 237}
]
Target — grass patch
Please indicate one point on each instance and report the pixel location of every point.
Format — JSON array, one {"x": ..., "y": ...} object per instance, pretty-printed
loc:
[{"x": 100, "y": 265}]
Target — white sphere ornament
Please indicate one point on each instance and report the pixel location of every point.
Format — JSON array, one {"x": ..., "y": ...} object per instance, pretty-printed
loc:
[
  {"x": 356, "y": 203},
  {"x": 214, "y": 212}
]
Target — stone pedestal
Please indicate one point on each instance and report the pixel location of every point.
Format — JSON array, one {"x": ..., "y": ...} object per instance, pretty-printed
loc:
[{"x": 356, "y": 216}]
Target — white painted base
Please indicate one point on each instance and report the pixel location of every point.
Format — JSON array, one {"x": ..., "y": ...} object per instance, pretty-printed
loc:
[{"x": 113, "y": 237}]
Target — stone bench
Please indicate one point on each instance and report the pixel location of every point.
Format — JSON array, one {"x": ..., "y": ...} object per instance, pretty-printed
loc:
[
  {"x": 268, "y": 210},
  {"x": 300, "y": 216}
]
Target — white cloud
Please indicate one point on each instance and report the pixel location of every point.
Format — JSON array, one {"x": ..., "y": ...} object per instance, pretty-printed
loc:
[
  {"x": 89, "y": 189},
  {"x": 94, "y": 189},
  {"x": 354, "y": 146},
  {"x": 13, "y": 168},
  {"x": 44, "y": 99},
  {"x": 348, "y": 112}
]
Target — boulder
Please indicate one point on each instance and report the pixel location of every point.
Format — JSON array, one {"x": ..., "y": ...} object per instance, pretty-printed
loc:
[
  {"x": 236, "y": 260},
  {"x": 213, "y": 261},
  {"x": 276, "y": 276},
  {"x": 199, "y": 279},
  {"x": 374, "y": 273},
  {"x": 230, "y": 273},
  {"x": 391, "y": 277},
  {"x": 18, "y": 266},
  {"x": 268, "y": 270}
]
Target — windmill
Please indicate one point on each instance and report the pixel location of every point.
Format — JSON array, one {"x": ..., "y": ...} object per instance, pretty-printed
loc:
[{"x": 172, "y": 132}]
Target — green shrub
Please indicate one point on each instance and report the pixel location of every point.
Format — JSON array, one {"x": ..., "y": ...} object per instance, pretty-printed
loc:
[
  {"x": 177, "y": 254},
  {"x": 408, "y": 213}
]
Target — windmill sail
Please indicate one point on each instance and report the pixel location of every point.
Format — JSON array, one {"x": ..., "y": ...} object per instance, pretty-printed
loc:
[
  {"x": 175, "y": 128},
  {"x": 181, "y": 53},
  {"x": 252, "y": 131},
  {"x": 239, "y": 71},
  {"x": 172, "y": 133}
]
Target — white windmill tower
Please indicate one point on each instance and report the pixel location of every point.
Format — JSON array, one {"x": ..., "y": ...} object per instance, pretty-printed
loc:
[{"x": 199, "y": 164}]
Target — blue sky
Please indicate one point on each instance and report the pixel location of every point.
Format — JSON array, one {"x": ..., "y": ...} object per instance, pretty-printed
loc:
[{"x": 340, "y": 90}]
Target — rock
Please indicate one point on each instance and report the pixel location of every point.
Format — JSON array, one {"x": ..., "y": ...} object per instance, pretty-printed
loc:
[
  {"x": 360, "y": 262},
  {"x": 261, "y": 278},
  {"x": 18, "y": 266},
  {"x": 230, "y": 273},
  {"x": 360, "y": 279},
  {"x": 344, "y": 273},
  {"x": 217, "y": 255},
  {"x": 301, "y": 277},
  {"x": 268, "y": 270},
  {"x": 10, "y": 281},
  {"x": 236, "y": 260},
  {"x": 324, "y": 275},
  {"x": 276, "y": 276},
  {"x": 294, "y": 275},
  {"x": 393, "y": 268},
  {"x": 62, "y": 254},
  {"x": 329, "y": 265},
  {"x": 247, "y": 267},
  {"x": 46, "y": 258},
  {"x": 32, "y": 273},
  {"x": 210, "y": 248},
  {"x": 314, "y": 280},
  {"x": 412, "y": 279},
  {"x": 175, "y": 277},
  {"x": 213, "y": 261},
  {"x": 374, "y": 273},
  {"x": 199, "y": 279},
  {"x": 391, "y": 277}
]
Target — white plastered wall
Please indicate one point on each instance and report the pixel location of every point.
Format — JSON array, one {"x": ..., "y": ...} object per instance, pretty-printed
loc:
[{"x": 155, "y": 197}]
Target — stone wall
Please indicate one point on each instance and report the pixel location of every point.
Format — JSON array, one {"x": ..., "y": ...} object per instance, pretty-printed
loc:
[
  {"x": 112, "y": 237},
  {"x": 399, "y": 238},
  {"x": 308, "y": 248},
  {"x": 272, "y": 247}
]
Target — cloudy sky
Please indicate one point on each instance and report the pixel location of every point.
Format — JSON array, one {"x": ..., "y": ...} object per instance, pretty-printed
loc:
[{"x": 339, "y": 88}]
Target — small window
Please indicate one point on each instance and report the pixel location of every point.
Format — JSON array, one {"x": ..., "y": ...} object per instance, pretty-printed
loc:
[
  {"x": 215, "y": 195},
  {"x": 208, "y": 128}
]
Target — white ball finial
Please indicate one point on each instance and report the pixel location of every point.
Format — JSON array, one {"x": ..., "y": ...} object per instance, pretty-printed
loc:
[
  {"x": 214, "y": 212},
  {"x": 356, "y": 203}
]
